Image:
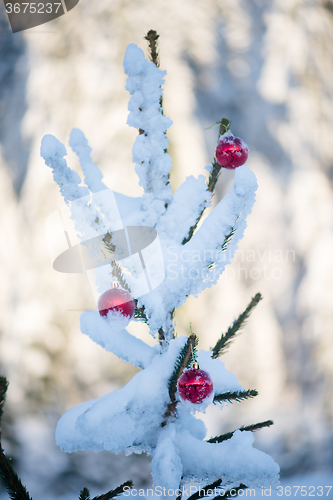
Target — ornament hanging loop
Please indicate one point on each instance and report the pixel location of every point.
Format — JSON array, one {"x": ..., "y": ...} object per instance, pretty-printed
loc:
[{"x": 194, "y": 354}]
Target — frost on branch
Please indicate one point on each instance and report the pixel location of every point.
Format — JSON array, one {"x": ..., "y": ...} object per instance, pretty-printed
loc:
[
  {"x": 161, "y": 270},
  {"x": 152, "y": 162}
]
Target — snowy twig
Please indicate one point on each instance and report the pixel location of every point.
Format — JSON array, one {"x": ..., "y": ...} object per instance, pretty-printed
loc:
[
  {"x": 92, "y": 174},
  {"x": 122, "y": 343},
  {"x": 226, "y": 338},
  {"x": 228, "y": 435},
  {"x": 152, "y": 162}
]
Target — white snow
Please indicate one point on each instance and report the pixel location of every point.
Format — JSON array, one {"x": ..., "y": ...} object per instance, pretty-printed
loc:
[
  {"x": 131, "y": 418},
  {"x": 114, "y": 338}
]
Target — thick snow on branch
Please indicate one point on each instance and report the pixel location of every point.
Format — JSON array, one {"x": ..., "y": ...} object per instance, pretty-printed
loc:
[
  {"x": 53, "y": 152},
  {"x": 161, "y": 273},
  {"x": 188, "y": 201},
  {"x": 127, "y": 419},
  {"x": 234, "y": 460},
  {"x": 120, "y": 342},
  {"x": 130, "y": 418},
  {"x": 198, "y": 264},
  {"x": 92, "y": 174},
  {"x": 152, "y": 163},
  {"x": 166, "y": 465}
]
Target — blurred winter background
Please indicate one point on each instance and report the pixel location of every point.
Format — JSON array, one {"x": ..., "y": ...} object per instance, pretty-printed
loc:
[{"x": 268, "y": 67}]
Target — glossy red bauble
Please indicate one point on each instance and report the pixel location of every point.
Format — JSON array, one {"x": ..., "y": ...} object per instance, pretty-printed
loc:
[
  {"x": 231, "y": 152},
  {"x": 116, "y": 299},
  {"x": 195, "y": 385}
]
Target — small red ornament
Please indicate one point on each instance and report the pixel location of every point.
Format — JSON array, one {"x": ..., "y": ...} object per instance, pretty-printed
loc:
[
  {"x": 116, "y": 299},
  {"x": 231, "y": 152},
  {"x": 195, "y": 385}
]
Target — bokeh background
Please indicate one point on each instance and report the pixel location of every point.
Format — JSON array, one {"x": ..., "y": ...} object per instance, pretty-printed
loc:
[{"x": 266, "y": 65}]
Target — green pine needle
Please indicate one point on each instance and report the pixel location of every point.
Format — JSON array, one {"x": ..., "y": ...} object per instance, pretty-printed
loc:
[
  {"x": 226, "y": 338},
  {"x": 233, "y": 492},
  {"x": 3, "y": 390},
  {"x": 228, "y": 237},
  {"x": 118, "y": 274},
  {"x": 228, "y": 435},
  {"x": 10, "y": 479},
  {"x": 84, "y": 494},
  {"x": 235, "y": 396},
  {"x": 139, "y": 312},
  {"x": 183, "y": 361},
  {"x": 115, "y": 492},
  {"x": 202, "y": 492}
]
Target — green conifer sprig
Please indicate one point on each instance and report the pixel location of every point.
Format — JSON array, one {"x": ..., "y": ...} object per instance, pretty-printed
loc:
[
  {"x": 3, "y": 390},
  {"x": 118, "y": 274},
  {"x": 232, "y": 493},
  {"x": 12, "y": 482},
  {"x": 216, "y": 167},
  {"x": 139, "y": 312},
  {"x": 183, "y": 361},
  {"x": 228, "y": 435},
  {"x": 228, "y": 237},
  {"x": 213, "y": 178},
  {"x": 10, "y": 479},
  {"x": 235, "y": 396},
  {"x": 226, "y": 338},
  {"x": 117, "y": 491},
  {"x": 152, "y": 38},
  {"x": 84, "y": 494},
  {"x": 202, "y": 492}
]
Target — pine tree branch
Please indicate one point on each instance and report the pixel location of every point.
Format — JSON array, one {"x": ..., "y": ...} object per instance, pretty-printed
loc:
[
  {"x": 107, "y": 241},
  {"x": 213, "y": 178},
  {"x": 117, "y": 491},
  {"x": 228, "y": 237},
  {"x": 228, "y": 435},
  {"x": 202, "y": 492},
  {"x": 232, "y": 493},
  {"x": 3, "y": 390},
  {"x": 139, "y": 312},
  {"x": 11, "y": 481},
  {"x": 183, "y": 361},
  {"x": 226, "y": 338},
  {"x": 152, "y": 38},
  {"x": 118, "y": 274},
  {"x": 84, "y": 494},
  {"x": 235, "y": 396}
]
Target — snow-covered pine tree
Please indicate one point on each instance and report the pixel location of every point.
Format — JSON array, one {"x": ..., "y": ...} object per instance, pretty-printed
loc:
[{"x": 144, "y": 240}]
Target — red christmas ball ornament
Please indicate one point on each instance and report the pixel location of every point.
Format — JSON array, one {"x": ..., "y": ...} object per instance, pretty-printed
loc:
[
  {"x": 231, "y": 152},
  {"x": 195, "y": 385},
  {"x": 116, "y": 299}
]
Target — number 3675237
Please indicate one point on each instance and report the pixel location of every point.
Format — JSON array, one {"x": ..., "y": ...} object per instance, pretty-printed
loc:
[{"x": 32, "y": 8}]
